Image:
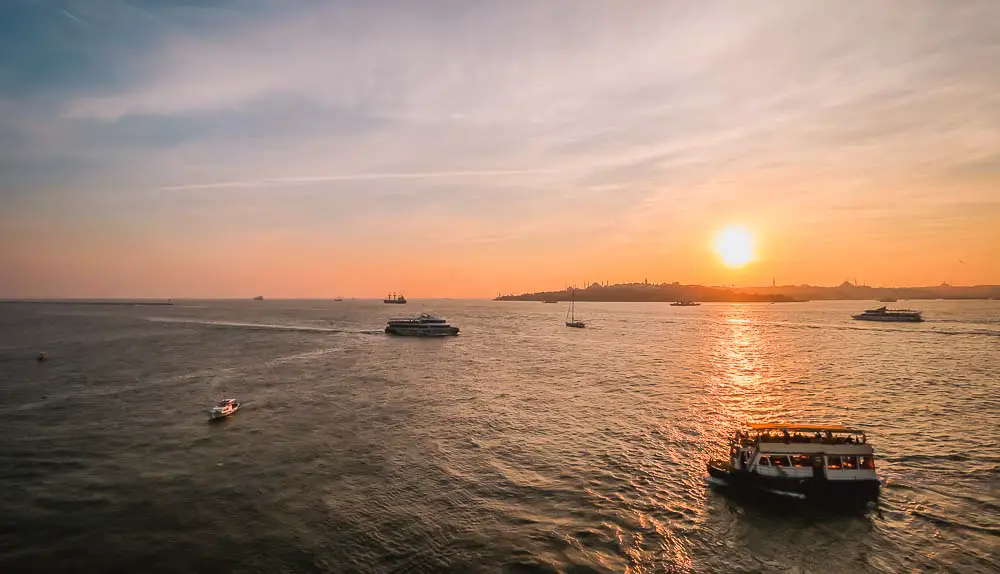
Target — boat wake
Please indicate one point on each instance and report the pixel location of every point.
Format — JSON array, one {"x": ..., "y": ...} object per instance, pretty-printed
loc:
[
  {"x": 787, "y": 493},
  {"x": 713, "y": 481},
  {"x": 263, "y": 326},
  {"x": 913, "y": 330}
]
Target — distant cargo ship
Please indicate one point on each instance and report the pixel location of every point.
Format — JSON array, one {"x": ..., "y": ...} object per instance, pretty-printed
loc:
[{"x": 393, "y": 299}]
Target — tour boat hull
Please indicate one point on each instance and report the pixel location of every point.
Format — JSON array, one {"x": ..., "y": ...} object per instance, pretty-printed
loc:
[
  {"x": 422, "y": 332},
  {"x": 888, "y": 318},
  {"x": 819, "y": 490}
]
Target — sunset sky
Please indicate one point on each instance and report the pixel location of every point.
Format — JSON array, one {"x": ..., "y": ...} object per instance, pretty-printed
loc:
[{"x": 458, "y": 149}]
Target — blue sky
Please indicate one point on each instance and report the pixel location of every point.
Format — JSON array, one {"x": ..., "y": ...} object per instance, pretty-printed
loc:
[{"x": 504, "y": 132}]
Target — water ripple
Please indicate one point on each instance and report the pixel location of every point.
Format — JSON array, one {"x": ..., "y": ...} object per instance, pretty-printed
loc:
[{"x": 519, "y": 446}]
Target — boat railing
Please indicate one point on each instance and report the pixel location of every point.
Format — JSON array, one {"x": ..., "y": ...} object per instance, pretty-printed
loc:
[{"x": 801, "y": 439}]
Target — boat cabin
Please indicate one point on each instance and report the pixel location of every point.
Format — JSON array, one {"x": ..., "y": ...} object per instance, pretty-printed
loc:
[
  {"x": 423, "y": 319},
  {"x": 803, "y": 451}
]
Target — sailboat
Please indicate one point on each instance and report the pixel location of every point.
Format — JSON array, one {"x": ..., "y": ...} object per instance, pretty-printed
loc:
[{"x": 571, "y": 314}]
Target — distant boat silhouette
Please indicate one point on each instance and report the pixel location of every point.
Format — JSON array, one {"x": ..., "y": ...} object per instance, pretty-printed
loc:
[
  {"x": 258, "y": 298},
  {"x": 571, "y": 314},
  {"x": 393, "y": 299}
]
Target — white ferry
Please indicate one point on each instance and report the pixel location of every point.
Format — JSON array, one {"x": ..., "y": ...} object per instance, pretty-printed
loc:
[
  {"x": 885, "y": 314},
  {"x": 820, "y": 463},
  {"x": 423, "y": 326}
]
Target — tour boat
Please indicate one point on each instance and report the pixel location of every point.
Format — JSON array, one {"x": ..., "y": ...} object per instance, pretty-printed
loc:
[
  {"x": 684, "y": 304},
  {"x": 815, "y": 462}
]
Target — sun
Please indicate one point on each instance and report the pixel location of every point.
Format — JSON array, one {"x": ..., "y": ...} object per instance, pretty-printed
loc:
[{"x": 734, "y": 244}]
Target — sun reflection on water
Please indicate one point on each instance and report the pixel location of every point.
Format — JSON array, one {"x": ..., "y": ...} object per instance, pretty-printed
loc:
[{"x": 740, "y": 384}]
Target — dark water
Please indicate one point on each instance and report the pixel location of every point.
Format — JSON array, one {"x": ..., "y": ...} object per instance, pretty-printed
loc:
[{"x": 519, "y": 446}]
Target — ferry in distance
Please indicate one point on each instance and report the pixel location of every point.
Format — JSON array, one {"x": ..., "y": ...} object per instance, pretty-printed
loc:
[
  {"x": 892, "y": 315},
  {"x": 684, "y": 304},
  {"x": 820, "y": 463},
  {"x": 423, "y": 326}
]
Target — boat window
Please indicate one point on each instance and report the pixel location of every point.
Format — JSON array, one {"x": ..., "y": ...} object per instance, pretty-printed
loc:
[
  {"x": 850, "y": 462},
  {"x": 764, "y": 461},
  {"x": 801, "y": 460},
  {"x": 779, "y": 460},
  {"x": 866, "y": 462},
  {"x": 833, "y": 462}
]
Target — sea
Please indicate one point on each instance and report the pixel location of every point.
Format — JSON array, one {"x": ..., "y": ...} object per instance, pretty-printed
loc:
[{"x": 519, "y": 446}]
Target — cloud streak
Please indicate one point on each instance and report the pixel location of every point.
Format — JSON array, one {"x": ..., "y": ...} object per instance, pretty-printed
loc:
[{"x": 292, "y": 181}]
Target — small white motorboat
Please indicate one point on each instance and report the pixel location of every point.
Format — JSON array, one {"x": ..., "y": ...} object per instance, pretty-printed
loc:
[{"x": 225, "y": 408}]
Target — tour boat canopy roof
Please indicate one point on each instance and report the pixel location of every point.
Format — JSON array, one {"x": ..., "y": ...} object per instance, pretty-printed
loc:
[{"x": 803, "y": 428}]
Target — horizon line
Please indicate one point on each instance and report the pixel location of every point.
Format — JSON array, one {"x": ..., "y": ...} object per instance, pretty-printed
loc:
[{"x": 76, "y": 298}]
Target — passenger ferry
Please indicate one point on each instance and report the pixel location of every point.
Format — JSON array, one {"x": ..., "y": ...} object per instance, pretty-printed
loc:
[
  {"x": 423, "y": 326},
  {"x": 684, "y": 303},
  {"x": 819, "y": 463},
  {"x": 885, "y": 314}
]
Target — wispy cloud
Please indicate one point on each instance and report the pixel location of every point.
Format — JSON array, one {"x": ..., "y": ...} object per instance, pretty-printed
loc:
[
  {"x": 74, "y": 17},
  {"x": 290, "y": 181}
]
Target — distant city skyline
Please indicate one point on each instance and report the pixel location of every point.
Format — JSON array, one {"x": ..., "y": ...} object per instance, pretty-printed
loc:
[{"x": 454, "y": 149}]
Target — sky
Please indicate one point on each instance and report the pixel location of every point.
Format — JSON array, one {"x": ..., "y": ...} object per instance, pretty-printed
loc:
[{"x": 289, "y": 148}]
